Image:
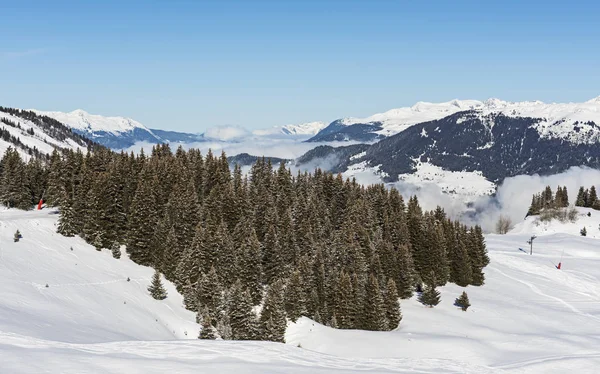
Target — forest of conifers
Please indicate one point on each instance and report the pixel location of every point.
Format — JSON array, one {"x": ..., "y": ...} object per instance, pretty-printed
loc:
[{"x": 305, "y": 244}]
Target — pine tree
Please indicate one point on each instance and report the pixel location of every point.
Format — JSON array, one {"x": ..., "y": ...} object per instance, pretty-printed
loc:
[
  {"x": 392, "y": 305},
  {"x": 592, "y": 197},
  {"x": 14, "y": 192},
  {"x": 460, "y": 262},
  {"x": 430, "y": 296},
  {"x": 565, "y": 197},
  {"x": 208, "y": 331},
  {"x": 156, "y": 289},
  {"x": 295, "y": 299},
  {"x": 374, "y": 317},
  {"x": 580, "y": 197},
  {"x": 115, "y": 248},
  {"x": 343, "y": 303},
  {"x": 143, "y": 219},
  {"x": 272, "y": 318},
  {"x": 209, "y": 293},
  {"x": 463, "y": 302},
  {"x": 66, "y": 221},
  {"x": 242, "y": 318},
  {"x": 583, "y": 231}
]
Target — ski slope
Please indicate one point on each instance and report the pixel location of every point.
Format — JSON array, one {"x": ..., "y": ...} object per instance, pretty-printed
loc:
[{"x": 528, "y": 318}]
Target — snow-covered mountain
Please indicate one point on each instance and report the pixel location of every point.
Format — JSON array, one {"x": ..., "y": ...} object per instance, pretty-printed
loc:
[
  {"x": 116, "y": 132},
  {"x": 31, "y": 134},
  {"x": 576, "y": 122},
  {"x": 303, "y": 129},
  {"x": 483, "y": 145},
  {"x": 120, "y": 132},
  {"x": 529, "y": 317}
]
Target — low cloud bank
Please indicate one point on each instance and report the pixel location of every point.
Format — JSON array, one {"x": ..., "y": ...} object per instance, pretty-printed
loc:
[{"x": 512, "y": 198}]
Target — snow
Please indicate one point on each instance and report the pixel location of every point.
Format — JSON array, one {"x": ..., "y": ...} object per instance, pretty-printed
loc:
[
  {"x": 358, "y": 155},
  {"x": 532, "y": 224},
  {"x": 84, "y": 121},
  {"x": 529, "y": 317},
  {"x": 397, "y": 120},
  {"x": 39, "y": 139},
  {"x": 467, "y": 185},
  {"x": 568, "y": 121},
  {"x": 89, "y": 299},
  {"x": 303, "y": 129}
]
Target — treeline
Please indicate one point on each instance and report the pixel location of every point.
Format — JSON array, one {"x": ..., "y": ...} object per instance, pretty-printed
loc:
[
  {"x": 588, "y": 198},
  {"x": 312, "y": 245},
  {"x": 549, "y": 200}
]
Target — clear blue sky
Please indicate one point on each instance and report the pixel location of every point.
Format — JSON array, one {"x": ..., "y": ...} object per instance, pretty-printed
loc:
[{"x": 190, "y": 65}]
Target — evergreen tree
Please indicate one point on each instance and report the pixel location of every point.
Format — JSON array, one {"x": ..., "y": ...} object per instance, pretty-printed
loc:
[
  {"x": 374, "y": 307},
  {"x": 580, "y": 197},
  {"x": 208, "y": 331},
  {"x": 565, "y": 197},
  {"x": 209, "y": 294},
  {"x": 392, "y": 305},
  {"x": 460, "y": 261},
  {"x": 272, "y": 319},
  {"x": 343, "y": 302},
  {"x": 115, "y": 248},
  {"x": 14, "y": 191},
  {"x": 156, "y": 289},
  {"x": 66, "y": 221},
  {"x": 592, "y": 197},
  {"x": 583, "y": 231},
  {"x": 430, "y": 296},
  {"x": 295, "y": 299},
  {"x": 143, "y": 219},
  {"x": 463, "y": 302},
  {"x": 242, "y": 318}
]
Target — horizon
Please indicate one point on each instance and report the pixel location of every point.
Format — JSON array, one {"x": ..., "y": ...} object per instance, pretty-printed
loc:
[{"x": 185, "y": 66}]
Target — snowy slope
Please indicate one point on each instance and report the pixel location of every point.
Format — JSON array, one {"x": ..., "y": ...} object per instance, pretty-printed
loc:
[
  {"x": 528, "y": 318},
  {"x": 396, "y": 120},
  {"x": 532, "y": 224},
  {"x": 90, "y": 319},
  {"x": 88, "y": 299},
  {"x": 90, "y": 123},
  {"x": 303, "y": 129},
  {"x": 575, "y": 122},
  {"x": 40, "y": 140}
]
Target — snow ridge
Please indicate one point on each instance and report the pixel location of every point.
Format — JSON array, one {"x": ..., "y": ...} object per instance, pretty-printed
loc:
[{"x": 84, "y": 121}]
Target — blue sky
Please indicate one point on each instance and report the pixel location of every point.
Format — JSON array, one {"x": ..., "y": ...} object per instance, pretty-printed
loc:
[{"x": 190, "y": 65}]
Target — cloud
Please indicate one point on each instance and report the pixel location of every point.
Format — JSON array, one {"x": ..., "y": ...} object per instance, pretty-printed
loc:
[
  {"x": 253, "y": 145},
  {"x": 226, "y": 133},
  {"x": 513, "y": 196}
]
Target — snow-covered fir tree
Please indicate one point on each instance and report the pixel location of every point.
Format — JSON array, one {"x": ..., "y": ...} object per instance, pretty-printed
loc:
[{"x": 156, "y": 288}]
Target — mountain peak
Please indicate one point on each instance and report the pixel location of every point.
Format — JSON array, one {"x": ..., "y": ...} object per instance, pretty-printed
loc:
[{"x": 595, "y": 100}]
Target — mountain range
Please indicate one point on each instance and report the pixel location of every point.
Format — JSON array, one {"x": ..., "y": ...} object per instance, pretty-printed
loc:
[{"x": 494, "y": 139}]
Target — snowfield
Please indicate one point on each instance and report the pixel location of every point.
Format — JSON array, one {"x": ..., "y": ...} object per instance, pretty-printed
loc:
[{"x": 529, "y": 317}]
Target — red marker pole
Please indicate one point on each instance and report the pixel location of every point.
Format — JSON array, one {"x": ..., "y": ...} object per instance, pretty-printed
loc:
[{"x": 39, "y": 207}]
